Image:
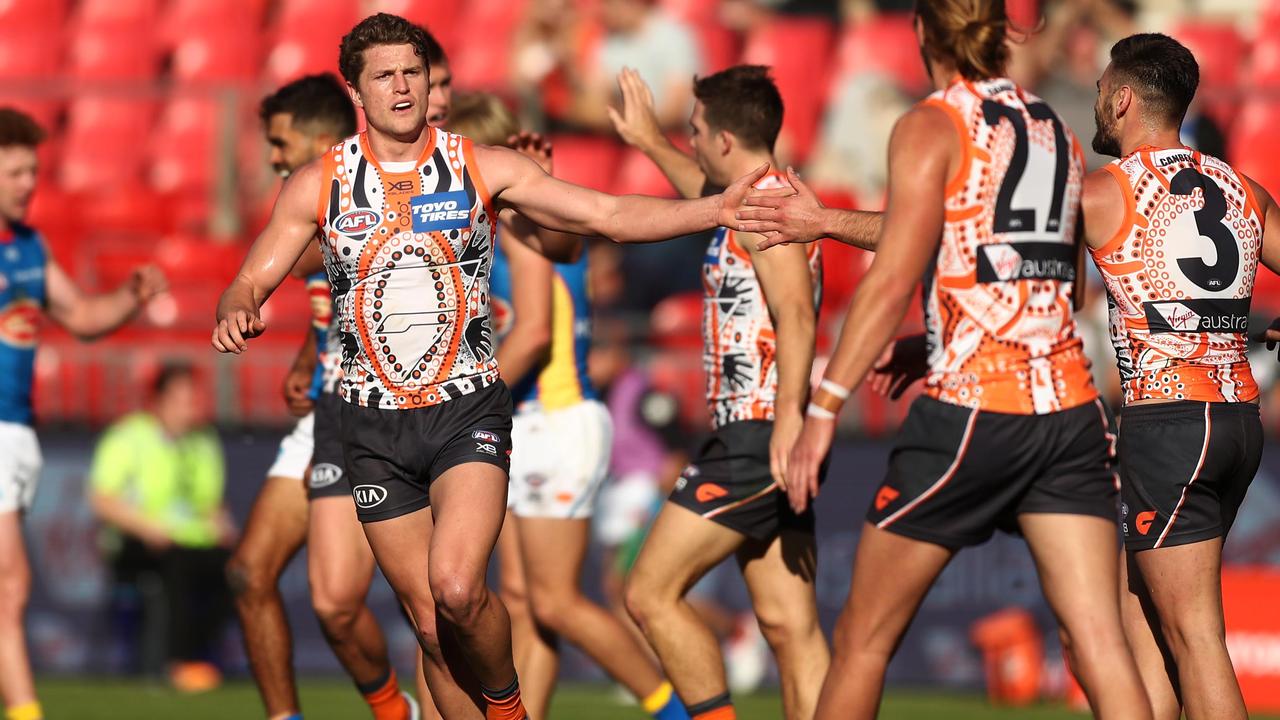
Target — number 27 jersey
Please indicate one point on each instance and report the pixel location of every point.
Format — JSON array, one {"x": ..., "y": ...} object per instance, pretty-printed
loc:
[
  {"x": 1179, "y": 276},
  {"x": 998, "y": 315}
]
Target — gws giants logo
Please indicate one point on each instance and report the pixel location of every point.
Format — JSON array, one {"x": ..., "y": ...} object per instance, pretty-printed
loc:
[
  {"x": 1144, "y": 520},
  {"x": 368, "y": 496},
  {"x": 357, "y": 222},
  {"x": 324, "y": 475}
]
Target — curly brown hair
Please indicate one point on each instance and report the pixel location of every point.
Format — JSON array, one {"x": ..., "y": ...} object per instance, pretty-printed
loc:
[{"x": 385, "y": 29}]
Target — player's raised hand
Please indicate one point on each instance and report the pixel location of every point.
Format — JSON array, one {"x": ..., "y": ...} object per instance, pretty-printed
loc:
[
  {"x": 904, "y": 361},
  {"x": 805, "y": 463},
  {"x": 534, "y": 146},
  {"x": 783, "y": 215},
  {"x": 637, "y": 122},
  {"x": 146, "y": 282},
  {"x": 735, "y": 195}
]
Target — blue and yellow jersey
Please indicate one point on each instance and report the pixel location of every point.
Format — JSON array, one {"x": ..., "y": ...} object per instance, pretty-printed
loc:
[
  {"x": 328, "y": 348},
  {"x": 563, "y": 381},
  {"x": 22, "y": 302}
]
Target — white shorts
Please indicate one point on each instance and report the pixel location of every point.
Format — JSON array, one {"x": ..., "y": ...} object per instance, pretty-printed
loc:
[
  {"x": 295, "y": 450},
  {"x": 559, "y": 461},
  {"x": 20, "y": 462}
]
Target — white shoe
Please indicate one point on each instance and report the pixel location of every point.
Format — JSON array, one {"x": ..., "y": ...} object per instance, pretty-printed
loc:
[{"x": 415, "y": 712}]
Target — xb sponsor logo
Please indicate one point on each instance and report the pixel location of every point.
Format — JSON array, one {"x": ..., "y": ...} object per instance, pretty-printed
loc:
[
  {"x": 487, "y": 449},
  {"x": 368, "y": 496},
  {"x": 325, "y": 474},
  {"x": 357, "y": 222}
]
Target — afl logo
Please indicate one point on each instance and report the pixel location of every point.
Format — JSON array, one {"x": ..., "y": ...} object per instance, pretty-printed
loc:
[
  {"x": 20, "y": 323},
  {"x": 368, "y": 496},
  {"x": 501, "y": 315},
  {"x": 357, "y": 222}
]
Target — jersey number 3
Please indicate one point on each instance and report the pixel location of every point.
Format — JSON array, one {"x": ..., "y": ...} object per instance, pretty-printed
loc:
[
  {"x": 1222, "y": 273},
  {"x": 1007, "y": 219}
]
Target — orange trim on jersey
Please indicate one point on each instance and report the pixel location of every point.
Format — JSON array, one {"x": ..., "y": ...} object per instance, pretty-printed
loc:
[
  {"x": 1250, "y": 200},
  {"x": 427, "y": 149},
  {"x": 968, "y": 213},
  {"x": 1126, "y": 268},
  {"x": 1131, "y": 216},
  {"x": 957, "y": 181},
  {"x": 468, "y": 154}
]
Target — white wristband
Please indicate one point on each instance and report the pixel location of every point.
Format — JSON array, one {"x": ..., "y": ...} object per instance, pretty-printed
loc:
[
  {"x": 834, "y": 388},
  {"x": 820, "y": 412}
]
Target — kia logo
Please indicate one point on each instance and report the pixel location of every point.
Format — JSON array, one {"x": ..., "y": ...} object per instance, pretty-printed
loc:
[
  {"x": 325, "y": 474},
  {"x": 356, "y": 222},
  {"x": 368, "y": 496}
]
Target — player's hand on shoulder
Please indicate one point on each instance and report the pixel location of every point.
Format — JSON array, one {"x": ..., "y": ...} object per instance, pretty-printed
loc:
[
  {"x": 637, "y": 121},
  {"x": 147, "y": 282},
  {"x": 784, "y": 215},
  {"x": 534, "y": 146}
]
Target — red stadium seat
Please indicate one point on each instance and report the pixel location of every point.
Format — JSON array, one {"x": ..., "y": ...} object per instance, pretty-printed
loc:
[
  {"x": 720, "y": 46},
  {"x": 114, "y": 53},
  {"x": 886, "y": 44},
  {"x": 224, "y": 54},
  {"x": 799, "y": 50},
  {"x": 32, "y": 16},
  {"x": 182, "y": 18},
  {"x": 586, "y": 160},
  {"x": 486, "y": 65},
  {"x": 302, "y": 53},
  {"x": 102, "y": 146},
  {"x": 1221, "y": 52},
  {"x": 301, "y": 15},
  {"x": 442, "y": 19},
  {"x": 24, "y": 56},
  {"x": 1255, "y": 144},
  {"x": 116, "y": 13},
  {"x": 638, "y": 175},
  {"x": 1264, "y": 63},
  {"x": 182, "y": 149}
]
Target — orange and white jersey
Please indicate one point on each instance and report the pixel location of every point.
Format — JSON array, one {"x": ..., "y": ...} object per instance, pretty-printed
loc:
[
  {"x": 739, "y": 345},
  {"x": 408, "y": 249},
  {"x": 1179, "y": 276},
  {"x": 997, "y": 301}
]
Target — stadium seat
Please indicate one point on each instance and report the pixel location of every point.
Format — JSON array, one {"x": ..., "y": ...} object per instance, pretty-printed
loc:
[
  {"x": 115, "y": 13},
  {"x": 586, "y": 159},
  {"x": 886, "y": 44},
  {"x": 32, "y": 16},
  {"x": 638, "y": 175},
  {"x": 1264, "y": 64},
  {"x": 182, "y": 18},
  {"x": 442, "y": 19},
  {"x": 27, "y": 56},
  {"x": 1221, "y": 52},
  {"x": 182, "y": 148},
  {"x": 301, "y": 53},
  {"x": 114, "y": 53},
  {"x": 798, "y": 49},
  {"x": 1254, "y": 144},
  {"x": 102, "y": 148},
  {"x": 223, "y": 54},
  {"x": 486, "y": 65}
]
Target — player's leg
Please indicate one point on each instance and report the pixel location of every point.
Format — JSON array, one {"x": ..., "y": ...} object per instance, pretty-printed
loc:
[
  {"x": 17, "y": 686},
  {"x": 1185, "y": 582},
  {"x": 276, "y": 528},
  {"x": 681, "y": 547},
  {"x": 1146, "y": 640},
  {"x": 554, "y": 552},
  {"x": 340, "y": 566},
  {"x": 535, "y": 649},
  {"x": 780, "y": 577},
  {"x": 1079, "y": 571},
  {"x": 891, "y": 576}
]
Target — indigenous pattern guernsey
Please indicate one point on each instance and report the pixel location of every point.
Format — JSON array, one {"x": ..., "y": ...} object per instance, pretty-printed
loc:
[
  {"x": 1179, "y": 277},
  {"x": 998, "y": 298},
  {"x": 408, "y": 256},
  {"x": 739, "y": 345}
]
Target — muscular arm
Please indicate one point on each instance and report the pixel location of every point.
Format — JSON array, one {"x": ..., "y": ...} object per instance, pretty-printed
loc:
[
  {"x": 919, "y": 164},
  {"x": 526, "y": 347},
  {"x": 311, "y": 262},
  {"x": 518, "y": 183},
  {"x": 273, "y": 255},
  {"x": 638, "y": 125},
  {"x": 92, "y": 316},
  {"x": 1270, "y": 226}
]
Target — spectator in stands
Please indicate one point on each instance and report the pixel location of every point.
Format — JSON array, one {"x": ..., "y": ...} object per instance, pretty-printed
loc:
[
  {"x": 639, "y": 35},
  {"x": 157, "y": 484}
]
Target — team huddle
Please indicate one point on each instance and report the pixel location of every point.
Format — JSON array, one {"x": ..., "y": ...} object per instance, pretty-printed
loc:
[{"x": 446, "y": 412}]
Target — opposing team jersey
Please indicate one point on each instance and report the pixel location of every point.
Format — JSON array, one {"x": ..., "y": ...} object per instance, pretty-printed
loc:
[
  {"x": 562, "y": 381},
  {"x": 997, "y": 300},
  {"x": 408, "y": 256},
  {"x": 22, "y": 301},
  {"x": 324, "y": 327},
  {"x": 1179, "y": 276},
  {"x": 739, "y": 346}
]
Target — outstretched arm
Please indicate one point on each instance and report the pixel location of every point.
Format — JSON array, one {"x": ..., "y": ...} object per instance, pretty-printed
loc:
[
  {"x": 638, "y": 126},
  {"x": 918, "y": 171},
  {"x": 787, "y": 215},
  {"x": 273, "y": 255},
  {"x": 518, "y": 183},
  {"x": 92, "y": 316}
]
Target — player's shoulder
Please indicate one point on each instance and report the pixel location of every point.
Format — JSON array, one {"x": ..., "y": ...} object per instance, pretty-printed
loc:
[{"x": 1102, "y": 186}]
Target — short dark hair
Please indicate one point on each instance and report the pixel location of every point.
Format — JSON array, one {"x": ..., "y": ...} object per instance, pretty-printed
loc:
[
  {"x": 744, "y": 101},
  {"x": 171, "y": 372},
  {"x": 385, "y": 29},
  {"x": 1160, "y": 69},
  {"x": 19, "y": 129},
  {"x": 319, "y": 99}
]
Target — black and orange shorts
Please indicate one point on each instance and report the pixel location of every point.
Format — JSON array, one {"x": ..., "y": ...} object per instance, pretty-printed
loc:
[
  {"x": 729, "y": 483},
  {"x": 958, "y": 474}
]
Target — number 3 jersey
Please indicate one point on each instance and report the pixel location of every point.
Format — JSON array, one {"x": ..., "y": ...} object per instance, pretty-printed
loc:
[
  {"x": 408, "y": 251},
  {"x": 997, "y": 300},
  {"x": 1179, "y": 276}
]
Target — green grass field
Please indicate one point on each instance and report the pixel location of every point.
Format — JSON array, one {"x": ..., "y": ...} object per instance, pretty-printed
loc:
[{"x": 106, "y": 699}]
